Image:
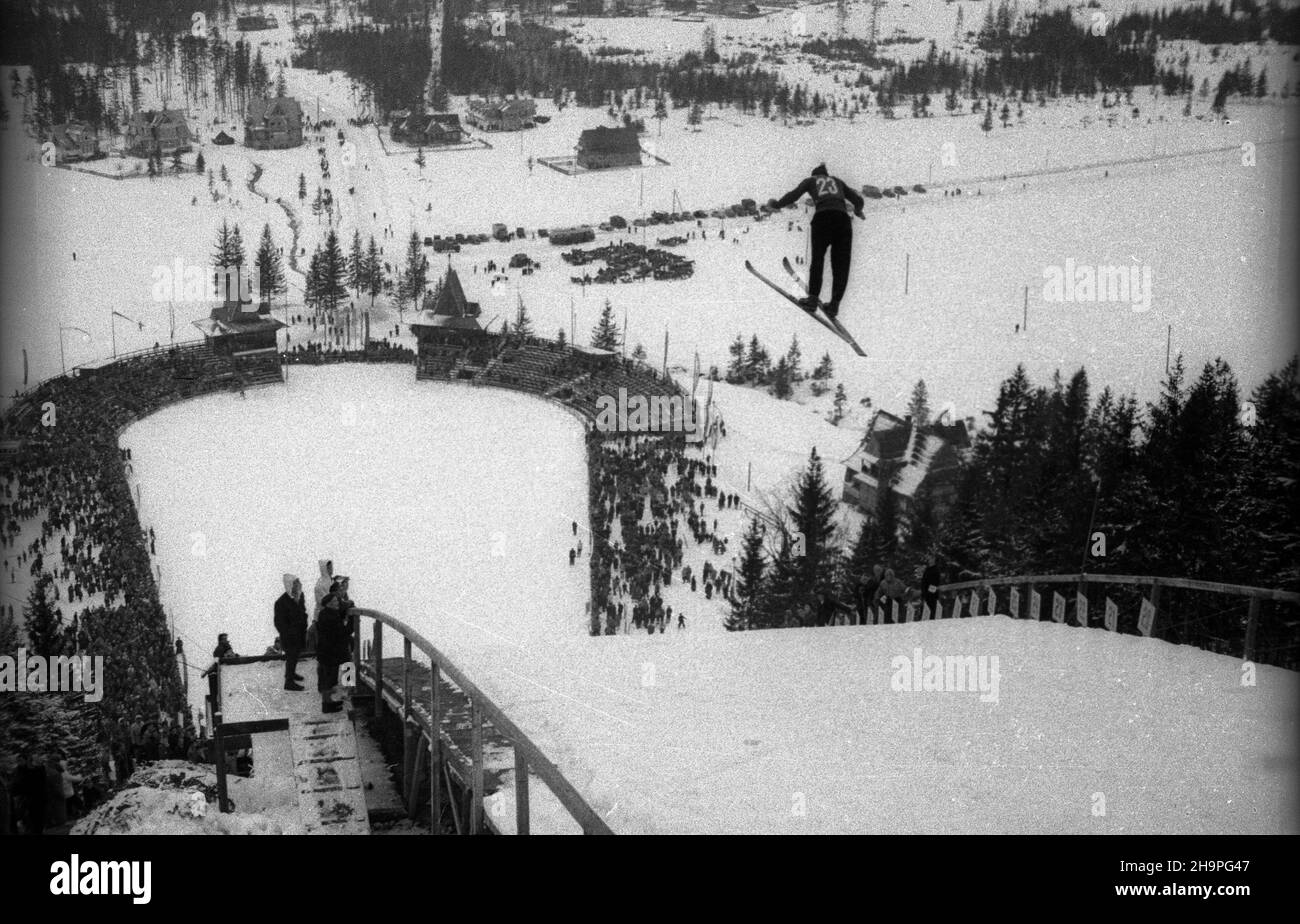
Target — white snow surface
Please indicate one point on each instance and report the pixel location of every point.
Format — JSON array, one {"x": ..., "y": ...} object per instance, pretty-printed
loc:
[{"x": 693, "y": 731}]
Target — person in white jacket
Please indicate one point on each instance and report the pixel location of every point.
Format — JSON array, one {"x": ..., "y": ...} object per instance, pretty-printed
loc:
[{"x": 323, "y": 583}]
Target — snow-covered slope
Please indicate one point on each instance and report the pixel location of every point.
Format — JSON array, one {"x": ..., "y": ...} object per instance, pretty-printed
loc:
[{"x": 693, "y": 730}]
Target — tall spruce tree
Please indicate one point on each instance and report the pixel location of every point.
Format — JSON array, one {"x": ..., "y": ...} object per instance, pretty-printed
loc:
[
  {"x": 605, "y": 335},
  {"x": 813, "y": 516},
  {"x": 748, "y": 596},
  {"x": 270, "y": 270},
  {"x": 44, "y": 625},
  {"x": 333, "y": 273}
]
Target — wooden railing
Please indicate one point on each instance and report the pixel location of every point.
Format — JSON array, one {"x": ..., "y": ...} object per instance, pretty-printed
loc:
[
  {"x": 1154, "y": 585},
  {"x": 527, "y": 756}
]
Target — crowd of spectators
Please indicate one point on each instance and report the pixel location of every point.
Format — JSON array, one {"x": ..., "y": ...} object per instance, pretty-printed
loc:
[{"x": 649, "y": 499}]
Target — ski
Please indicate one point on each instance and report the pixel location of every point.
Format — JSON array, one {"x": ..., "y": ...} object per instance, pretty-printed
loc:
[
  {"x": 816, "y": 316},
  {"x": 840, "y": 329}
]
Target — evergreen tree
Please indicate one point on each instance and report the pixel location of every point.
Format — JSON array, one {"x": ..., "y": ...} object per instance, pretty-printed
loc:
[
  {"x": 560, "y": 337},
  {"x": 200, "y": 165},
  {"x": 221, "y": 253},
  {"x": 918, "y": 408},
  {"x": 793, "y": 360},
  {"x": 639, "y": 353},
  {"x": 311, "y": 294},
  {"x": 781, "y": 379},
  {"x": 736, "y": 368},
  {"x": 374, "y": 271},
  {"x": 419, "y": 157},
  {"x": 523, "y": 323},
  {"x": 302, "y": 186},
  {"x": 270, "y": 270},
  {"x": 748, "y": 596},
  {"x": 356, "y": 265},
  {"x": 757, "y": 363},
  {"x": 43, "y": 622},
  {"x": 333, "y": 273},
  {"x": 605, "y": 335},
  {"x": 414, "y": 277},
  {"x": 825, "y": 368},
  {"x": 841, "y": 399},
  {"x": 813, "y": 515}
]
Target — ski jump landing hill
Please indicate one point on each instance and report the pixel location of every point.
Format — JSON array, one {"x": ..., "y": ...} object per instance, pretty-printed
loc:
[{"x": 795, "y": 730}]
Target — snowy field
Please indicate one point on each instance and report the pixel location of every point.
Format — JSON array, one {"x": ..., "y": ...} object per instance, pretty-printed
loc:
[
  {"x": 695, "y": 731},
  {"x": 448, "y": 506}
]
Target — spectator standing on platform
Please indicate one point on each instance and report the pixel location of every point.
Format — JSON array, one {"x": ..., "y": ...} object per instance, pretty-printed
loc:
[
  {"x": 291, "y": 623},
  {"x": 334, "y": 644},
  {"x": 323, "y": 583}
]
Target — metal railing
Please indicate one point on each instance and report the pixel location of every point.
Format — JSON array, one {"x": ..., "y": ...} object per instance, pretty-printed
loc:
[{"x": 527, "y": 755}]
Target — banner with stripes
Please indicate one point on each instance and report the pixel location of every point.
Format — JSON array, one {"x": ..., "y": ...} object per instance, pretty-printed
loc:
[{"x": 1112, "y": 616}]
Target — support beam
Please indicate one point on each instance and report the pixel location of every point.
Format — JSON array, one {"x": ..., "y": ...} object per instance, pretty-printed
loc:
[
  {"x": 435, "y": 751},
  {"x": 377, "y": 652},
  {"x": 521, "y": 791},
  {"x": 476, "y": 793}
]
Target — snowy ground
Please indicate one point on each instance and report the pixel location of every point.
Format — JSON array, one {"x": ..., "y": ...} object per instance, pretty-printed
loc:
[{"x": 780, "y": 731}]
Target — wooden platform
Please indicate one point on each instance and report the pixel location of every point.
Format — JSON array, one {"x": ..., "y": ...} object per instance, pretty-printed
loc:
[{"x": 327, "y": 776}]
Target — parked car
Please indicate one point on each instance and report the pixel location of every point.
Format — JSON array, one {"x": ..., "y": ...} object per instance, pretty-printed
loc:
[
  {"x": 871, "y": 192},
  {"x": 918, "y": 188}
]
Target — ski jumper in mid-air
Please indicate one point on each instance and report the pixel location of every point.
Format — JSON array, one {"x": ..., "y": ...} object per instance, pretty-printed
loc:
[{"x": 832, "y": 229}]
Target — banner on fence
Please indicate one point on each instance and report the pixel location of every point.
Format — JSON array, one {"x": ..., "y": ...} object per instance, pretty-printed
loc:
[
  {"x": 975, "y": 603},
  {"x": 926, "y": 614},
  {"x": 1035, "y": 604},
  {"x": 1146, "y": 618},
  {"x": 1112, "y": 616},
  {"x": 1058, "y": 607},
  {"x": 956, "y": 608},
  {"x": 1081, "y": 608},
  {"x": 1015, "y": 603},
  {"x": 993, "y": 601},
  {"x": 909, "y": 614}
]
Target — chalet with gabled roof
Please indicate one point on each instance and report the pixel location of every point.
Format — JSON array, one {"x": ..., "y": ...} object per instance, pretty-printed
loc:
[
  {"x": 510, "y": 115},
  {"x": 161, "y": 131},
  {"x": 426, "y": 129},
  {"x": 74, "y": 141},
  {"x": 908, "y": 458},
  {"x": 273, "y": 124},
  {"x": 601, "y": 148}
]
